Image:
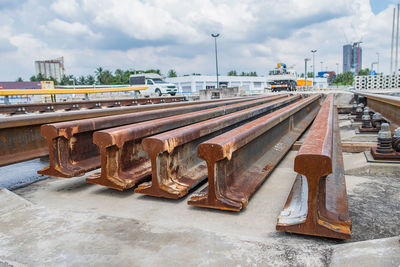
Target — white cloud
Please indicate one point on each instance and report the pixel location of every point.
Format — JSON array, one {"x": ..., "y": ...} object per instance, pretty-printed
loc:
[
  {"x": 66, "y": 8},
  {"x": 168, "y": 34},
  {"x": 74, "y": 28}
]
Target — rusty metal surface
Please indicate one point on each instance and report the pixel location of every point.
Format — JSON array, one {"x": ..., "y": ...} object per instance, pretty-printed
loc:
[
  {"x": 123, "y": 161},
  {"x": 317, "y": 203},
  {"x": 388, "y": 106},
  {"x": 239, "y": 161},
  {"x": 176, "y": 169},
  {"x": 71, "y": 149},
  {"x": 90, "y": 104},
  {"x": 20, "y": 136}
]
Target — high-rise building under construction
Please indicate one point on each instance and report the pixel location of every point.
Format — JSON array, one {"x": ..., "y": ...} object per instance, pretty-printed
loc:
[
  {"x": 51, "y": 68},
  {"x": 352, "y": 57}
]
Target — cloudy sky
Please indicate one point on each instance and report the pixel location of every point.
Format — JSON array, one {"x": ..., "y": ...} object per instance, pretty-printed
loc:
[{"x": 175, "y": 34}]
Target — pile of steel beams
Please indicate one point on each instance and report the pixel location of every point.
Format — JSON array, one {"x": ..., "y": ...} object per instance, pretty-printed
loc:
[
  {"x": 232, "y": 144},
  {"x": 20, "y": 137}
]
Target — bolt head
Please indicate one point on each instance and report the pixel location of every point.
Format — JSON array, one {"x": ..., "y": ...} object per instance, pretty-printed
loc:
[
  {"x": 397, "y": 133},
  {"x": 384, "y": 133},
  {"x": 377, "y": 116}
]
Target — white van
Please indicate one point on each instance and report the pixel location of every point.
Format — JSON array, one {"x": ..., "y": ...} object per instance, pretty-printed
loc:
[{"x": 155, "y": 83}]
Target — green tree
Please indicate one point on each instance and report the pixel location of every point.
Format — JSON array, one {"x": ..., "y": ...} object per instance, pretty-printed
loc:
[
  {"x": 345, "y": 78},
  {"x": 232, "y": 73},
  {"x": 106, "y": 77},
  {"x": 364, "y": 72},
  {"x": 172, "y": 73},
  {"x": 98, "y": 72},
  {"x": 81, "y": 80},
  {"x": 90, "y": 80},
  {"x": 19, "y": 79}
]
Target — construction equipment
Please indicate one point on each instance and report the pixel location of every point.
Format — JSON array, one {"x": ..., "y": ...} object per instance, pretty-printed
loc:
[
  {"x": 239, "y": 160},
  {"x": 317, "y": 203},
  {"x": 282, "y": 78}
]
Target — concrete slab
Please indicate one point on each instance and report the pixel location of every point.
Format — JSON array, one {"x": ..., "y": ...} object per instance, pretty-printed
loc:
[{"x": 381, "y": 252}]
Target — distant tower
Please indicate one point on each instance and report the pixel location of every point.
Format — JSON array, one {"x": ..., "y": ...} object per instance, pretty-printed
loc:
[
  {"x": 357, "y": 57},
  {"x": 347, "y": 57},
  {"x": 352, "y": 57}
]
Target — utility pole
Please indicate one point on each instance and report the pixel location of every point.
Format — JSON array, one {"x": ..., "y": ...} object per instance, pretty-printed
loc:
[
  {"x": 391, "y": 50},
  {"x": 215, "y": 35},
  {"x": 377, "y": 61},
  {"x": 397, "y": 42},
  {"x": 313, "y": 63},
  {"x": 305, "y": 71}
]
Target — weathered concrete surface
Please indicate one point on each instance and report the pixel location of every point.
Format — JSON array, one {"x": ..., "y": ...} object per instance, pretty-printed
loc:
[
  {"x": 69, "y": 222},
  {"x": 380, "y": 252}
]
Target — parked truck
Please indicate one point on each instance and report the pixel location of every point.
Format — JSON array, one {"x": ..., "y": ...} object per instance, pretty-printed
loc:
[
  {"x": 155, "y": 83},
  {"x": 282, "y": 79}
]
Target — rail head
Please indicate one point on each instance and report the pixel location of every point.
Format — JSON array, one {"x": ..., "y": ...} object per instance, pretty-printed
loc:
[
  {"x": 392, "y": 100},
  {"x": 317, "y": 147},
  {"x": 169, "y": 140},
  {"x": 119, "y": 135},
  {"x": 224, "y": 145}
]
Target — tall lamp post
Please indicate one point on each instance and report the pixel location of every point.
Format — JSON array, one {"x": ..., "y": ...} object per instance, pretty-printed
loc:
[
  {"x": 73, "y": 81},
  {"x": 305, "y": 71},
  {"x": 313, "y": 63},
  {"x": 378, "y": 61},
  {"x": 215, "y": 35}
]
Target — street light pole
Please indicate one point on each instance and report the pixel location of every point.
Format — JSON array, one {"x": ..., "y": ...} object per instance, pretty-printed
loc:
[
  {"x": 377, "y": 53},
  {"x": 305, "y": 71},
  {"x": 313, "y": 63},
  {"x": 215, "y": 35}
]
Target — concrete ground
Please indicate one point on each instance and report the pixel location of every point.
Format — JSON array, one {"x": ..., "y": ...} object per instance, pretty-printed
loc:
[{"x": 67, "y": 222}]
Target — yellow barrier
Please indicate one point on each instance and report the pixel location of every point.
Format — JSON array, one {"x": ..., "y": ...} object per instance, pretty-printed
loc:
[{"x": 69, "y": 91}]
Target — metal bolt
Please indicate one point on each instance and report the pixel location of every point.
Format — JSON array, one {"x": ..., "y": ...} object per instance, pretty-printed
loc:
[
  {"x": 384, "y": 139},
  {"x": 377, "y": 116},
  {"x": 366, "y": 119},
  {"x": 396, "y": 140}
]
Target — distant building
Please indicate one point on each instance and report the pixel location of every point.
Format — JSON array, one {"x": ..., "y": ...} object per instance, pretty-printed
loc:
[
  {"x": 347, "y": 57},
  {"x": 194, "y": 83},
  {"x": 352, "y": 57},
  {"x": 51, "y": 68}
]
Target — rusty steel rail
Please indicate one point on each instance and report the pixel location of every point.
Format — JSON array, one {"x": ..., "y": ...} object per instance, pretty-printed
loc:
[
  {"x": 90, "y": 104},
  {"x": 20, "y": 137},
  {"x": 239, "y": 161},
  {"x": 123, "y": 161},
  {"x": 71, "y": 149},
  {"x": 176, "y": 169},
  {"x": 317, "y": 203},
  {"x": 388, "y": 106}
]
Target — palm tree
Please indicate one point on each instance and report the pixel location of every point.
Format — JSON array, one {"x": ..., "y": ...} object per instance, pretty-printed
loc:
[
  {"x": 119, "y": 74},
  {"x": 90, "y": 79},
  {"x": 99, "y": 72}
]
